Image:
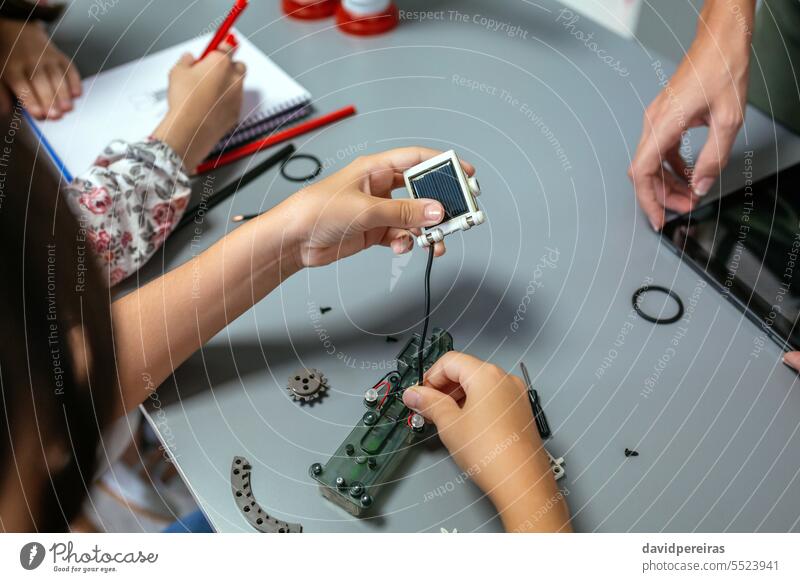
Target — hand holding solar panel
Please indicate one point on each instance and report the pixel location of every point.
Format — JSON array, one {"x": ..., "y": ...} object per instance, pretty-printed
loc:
[{"x": 442, "y": 178}]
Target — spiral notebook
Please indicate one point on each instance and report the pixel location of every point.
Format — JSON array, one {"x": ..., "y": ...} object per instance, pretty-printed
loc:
[{"x": 129, "y": 101}]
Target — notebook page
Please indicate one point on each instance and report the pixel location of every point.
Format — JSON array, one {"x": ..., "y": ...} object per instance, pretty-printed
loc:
[{"x": 129, "y": 101}]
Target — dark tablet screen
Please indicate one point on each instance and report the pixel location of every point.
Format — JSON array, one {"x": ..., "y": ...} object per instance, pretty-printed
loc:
[{"x": 748, "y": 244}]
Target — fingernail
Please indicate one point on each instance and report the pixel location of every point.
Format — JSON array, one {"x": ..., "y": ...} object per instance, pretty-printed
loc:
[
  {"x": 791, "y": 359},
  {"x": 434, "y": 211},
  {"x": 653, "y": 224},
  {"x": 400, "y": 245},
  {"x": 412, "y": 399},
  {"x": 703, "y": 186}
]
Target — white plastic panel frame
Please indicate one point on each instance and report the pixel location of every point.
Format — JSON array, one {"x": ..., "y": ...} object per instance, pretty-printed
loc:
[{"x": 470, "y": 190}]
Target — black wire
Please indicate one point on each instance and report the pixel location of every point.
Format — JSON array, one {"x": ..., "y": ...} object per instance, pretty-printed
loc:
[{"x": 427, "y": 314}]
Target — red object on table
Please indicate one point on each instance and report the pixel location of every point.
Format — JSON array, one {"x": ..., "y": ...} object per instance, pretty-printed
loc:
[
  {"x": 367, "y": 24},
  {"x": 314, "y": 11},
  {"x": 287, "y": 134},
  {"x": 224, "y": 28}
]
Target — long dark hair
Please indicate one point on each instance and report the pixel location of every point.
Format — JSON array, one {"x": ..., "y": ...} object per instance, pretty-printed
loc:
[
  {"x": 57, "y": 372},
  {"x": 27, "y": 10}
]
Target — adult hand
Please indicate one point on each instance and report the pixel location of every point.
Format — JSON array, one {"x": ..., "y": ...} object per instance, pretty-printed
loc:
[
  {"x": 792, "y": 359},
  {"x": 484, "y": 418},
  {"x": 40, "y": 75},
  {"x": 709, "y": 88},
  {"x": 204, "y": 100},
  {"x": 353, "y": 209}
]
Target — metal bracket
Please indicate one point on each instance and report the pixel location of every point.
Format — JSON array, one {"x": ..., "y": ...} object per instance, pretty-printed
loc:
[{"x": 247, "y": 504}]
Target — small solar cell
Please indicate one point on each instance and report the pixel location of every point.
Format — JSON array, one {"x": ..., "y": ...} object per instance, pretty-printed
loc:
[{"x": 441, "y": 183}]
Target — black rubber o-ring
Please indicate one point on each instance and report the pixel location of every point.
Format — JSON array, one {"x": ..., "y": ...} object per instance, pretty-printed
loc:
[
  {"x": 659, "y": 320},
  {"x": 310, "y": 176}
]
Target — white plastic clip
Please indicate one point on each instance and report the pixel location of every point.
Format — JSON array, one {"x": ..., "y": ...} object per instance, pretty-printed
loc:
[{"x": 556, "y": 465}]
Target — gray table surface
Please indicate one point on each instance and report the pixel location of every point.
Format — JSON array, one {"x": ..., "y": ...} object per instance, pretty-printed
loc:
[{"x": 551, "y": 132}]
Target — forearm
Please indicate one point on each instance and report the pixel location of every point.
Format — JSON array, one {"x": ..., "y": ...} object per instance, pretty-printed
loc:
[
  {"x": 537, "y": 513},
  {"x": 129, "y": 201},
  {"x": 160, "y": 325},
  {"x": 728, "y": 24},
  {"x": 529, "y": 500}
]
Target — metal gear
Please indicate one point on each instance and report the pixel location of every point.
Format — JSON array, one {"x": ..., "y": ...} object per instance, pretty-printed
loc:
[{"x": 307, "y": 384}]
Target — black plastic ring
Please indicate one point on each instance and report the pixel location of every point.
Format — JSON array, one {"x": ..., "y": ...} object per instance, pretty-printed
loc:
[
  {"x": 660, "y": 320},
  {"x": 310, "y": 176}
]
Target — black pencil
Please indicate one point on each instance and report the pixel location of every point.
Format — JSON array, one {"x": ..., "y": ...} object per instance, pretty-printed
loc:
[{"x": 272, "y": 161}]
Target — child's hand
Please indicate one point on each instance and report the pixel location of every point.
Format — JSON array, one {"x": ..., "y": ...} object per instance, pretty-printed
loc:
[
  {"x": 484, "y": 418},
  {"x": 353, "y": 209},
  {"x": 205, "y": 99},
  {"x": 34, "y": 70}
]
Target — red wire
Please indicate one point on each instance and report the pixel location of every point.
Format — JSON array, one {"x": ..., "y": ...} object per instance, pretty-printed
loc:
[
  {"x": 386, "y": 394},
  {"x": 408, "y": 420}
]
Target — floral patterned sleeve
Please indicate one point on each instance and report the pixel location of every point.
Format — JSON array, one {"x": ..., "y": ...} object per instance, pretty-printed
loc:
[{"x": 128, "y": 202}]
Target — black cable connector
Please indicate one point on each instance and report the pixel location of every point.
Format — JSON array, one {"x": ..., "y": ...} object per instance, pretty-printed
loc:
[{"x": 421, "y": 351}]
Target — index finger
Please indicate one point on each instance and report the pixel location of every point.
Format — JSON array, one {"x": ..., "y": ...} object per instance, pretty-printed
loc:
[
  {"x": 385, "y": 170},
  {"x": 226, "y": 48},
  {"x": 456, "y": 368},
  {"x": 401, "y": 159},
  {"x": 644, "y": 187},
  {"x": 644, "y": 171}
]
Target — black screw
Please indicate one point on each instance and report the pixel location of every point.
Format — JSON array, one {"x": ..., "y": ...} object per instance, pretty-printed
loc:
[
  {"x": 370, "y": 418},
  {"x": 372, "y": 463},
  {"x": 630, "y": 453},
  {"x": 349, "y": 449},
  {"x": 324, "y": 310},
  {"x": 366, "y": 500},
  {"x": 316, "y": 469},
  {"x": 356, "y": 490},
  {"x": 390, "y": 339}
]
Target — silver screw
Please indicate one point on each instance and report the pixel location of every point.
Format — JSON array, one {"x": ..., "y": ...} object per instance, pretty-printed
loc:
[{"x": 417, "y": 421}]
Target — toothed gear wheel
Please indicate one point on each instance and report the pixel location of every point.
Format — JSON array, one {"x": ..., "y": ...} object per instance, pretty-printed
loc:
[{"x": 307, "y": 384}]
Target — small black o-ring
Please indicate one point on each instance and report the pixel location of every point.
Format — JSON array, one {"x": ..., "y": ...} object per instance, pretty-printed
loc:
[
  {"x": 660, "y": 320},
  {"x": 310, "y": 176}
]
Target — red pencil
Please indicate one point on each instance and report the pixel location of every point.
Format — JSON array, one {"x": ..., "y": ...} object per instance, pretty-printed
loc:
[
  {"x": 259, "y": 144},
  {"x": 225, "y": 27}
]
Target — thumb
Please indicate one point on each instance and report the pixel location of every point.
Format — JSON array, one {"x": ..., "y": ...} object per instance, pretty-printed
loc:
[
  {"x": 402, "y": 213},
  {"x": 186, "y": 60},
  {"x": 434, "y": 405},
  {"x": 714, "y": 155}
]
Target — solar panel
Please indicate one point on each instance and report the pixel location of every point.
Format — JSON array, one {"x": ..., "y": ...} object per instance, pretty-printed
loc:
[{"x": 441, "y": 183}]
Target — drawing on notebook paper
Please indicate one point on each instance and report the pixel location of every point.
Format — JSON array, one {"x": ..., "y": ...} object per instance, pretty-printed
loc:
[
  {"x": 128, "y": 101},
  {"x": 151, "y": 102}
]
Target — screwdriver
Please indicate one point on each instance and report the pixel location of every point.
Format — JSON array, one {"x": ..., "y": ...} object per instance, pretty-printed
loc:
[{"x": 536, "y": 405}]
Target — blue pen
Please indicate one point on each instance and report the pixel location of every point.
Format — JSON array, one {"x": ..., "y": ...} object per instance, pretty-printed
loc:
[{"x": 50, "y": 151}]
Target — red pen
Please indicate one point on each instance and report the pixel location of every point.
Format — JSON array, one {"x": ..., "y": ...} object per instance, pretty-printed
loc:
[
  {"x": 225, "y": 27},
  {"x": 259, "y": 144}
]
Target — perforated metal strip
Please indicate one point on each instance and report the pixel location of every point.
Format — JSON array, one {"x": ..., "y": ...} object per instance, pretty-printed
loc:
[{"x": 247, "y": 504}]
